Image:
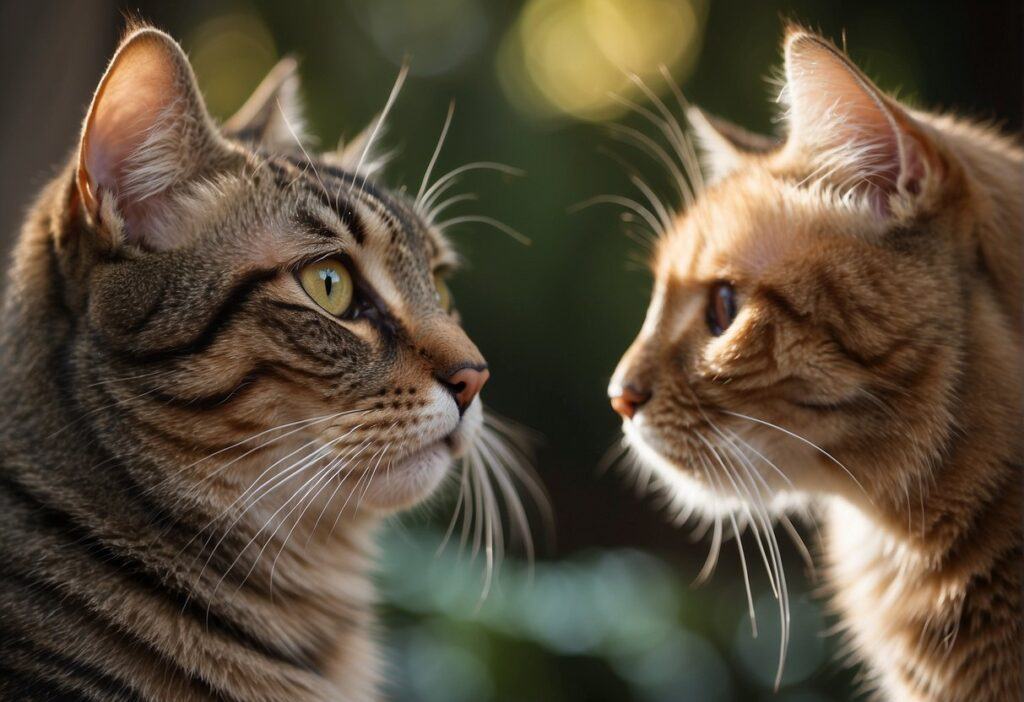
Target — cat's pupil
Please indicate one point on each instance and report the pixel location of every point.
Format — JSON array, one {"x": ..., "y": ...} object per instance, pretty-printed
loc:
[{"x": 328, "y": 277}]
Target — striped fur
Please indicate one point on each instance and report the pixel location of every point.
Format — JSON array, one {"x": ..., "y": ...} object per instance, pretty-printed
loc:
[
  {"x": 193, "y": 454},
  {"x": 872, "y": 373}
]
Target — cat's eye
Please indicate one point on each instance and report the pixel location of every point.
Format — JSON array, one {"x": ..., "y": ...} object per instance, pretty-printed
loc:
[
  {"x": 721, "y": 309},
  {"x": 443, "y": 294},
  {"x": 329, "y": 284}
]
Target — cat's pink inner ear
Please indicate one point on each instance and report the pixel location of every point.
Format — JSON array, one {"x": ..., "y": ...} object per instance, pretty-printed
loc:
[
  {"x": 144, "y": 133},
  {"x": 840, "y": 117}
]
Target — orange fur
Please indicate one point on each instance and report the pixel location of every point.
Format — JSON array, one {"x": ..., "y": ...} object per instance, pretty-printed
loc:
[{"x": 873, "y": 368}]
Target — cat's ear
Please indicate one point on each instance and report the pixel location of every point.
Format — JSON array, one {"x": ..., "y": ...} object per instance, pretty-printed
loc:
[
  {"x": 861, "y": 136},
  {"x": 362, "y": 153},
  {"x": 273, "y": 116},
  {"x": 147, "y": 132},
  {"x": 723, "y": 145}
]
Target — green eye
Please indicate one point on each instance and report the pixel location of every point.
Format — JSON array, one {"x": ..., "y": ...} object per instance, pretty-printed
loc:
[
  {"x": 444, "y": 295},
  {"x": 329, "y": 284}
]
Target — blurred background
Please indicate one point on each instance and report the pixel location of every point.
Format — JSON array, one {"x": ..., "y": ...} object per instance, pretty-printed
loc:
[{"x": 607, "y": 612}]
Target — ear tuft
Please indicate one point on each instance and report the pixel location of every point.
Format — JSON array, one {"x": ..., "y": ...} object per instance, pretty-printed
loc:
[
  {"x": 859, "y": 135},
  {"x": 273, "y": 117},
  {"x": 147, "y": 132},
  {"x": 359, "y": 155},
  {"x": 723, "y": 145}
]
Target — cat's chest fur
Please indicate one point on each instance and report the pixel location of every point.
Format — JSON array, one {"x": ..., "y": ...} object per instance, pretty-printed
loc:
[{"x": 932, "y": 629}]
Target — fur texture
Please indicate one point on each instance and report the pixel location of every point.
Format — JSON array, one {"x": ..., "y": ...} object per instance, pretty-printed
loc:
[
  {"x": 872, "y": 368},
  {"x": 193, "y": 453}
]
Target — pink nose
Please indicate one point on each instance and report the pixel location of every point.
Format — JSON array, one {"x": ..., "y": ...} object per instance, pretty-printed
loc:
[
  {"x": 628, "y": 401},
  {"x": 465, "y": 384}
]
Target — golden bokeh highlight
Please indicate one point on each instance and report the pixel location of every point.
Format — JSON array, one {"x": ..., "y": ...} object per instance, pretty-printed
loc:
[
  {"x": 571, "y": 57},
  {"x": 230, "y": 53}
]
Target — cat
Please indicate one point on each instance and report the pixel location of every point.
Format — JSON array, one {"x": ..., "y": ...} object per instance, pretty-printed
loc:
[
  {"x": 223, "y": 362},
  {"x": 836, "y": 323}
]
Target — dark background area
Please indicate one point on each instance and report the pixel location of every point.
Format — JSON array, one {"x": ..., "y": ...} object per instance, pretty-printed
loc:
[{"x": 553, "y": 317}]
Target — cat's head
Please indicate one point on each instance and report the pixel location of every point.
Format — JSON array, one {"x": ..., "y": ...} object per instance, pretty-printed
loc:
[
  {"x": 244, "y": 304},
  {"x": 804, "y": 332}
]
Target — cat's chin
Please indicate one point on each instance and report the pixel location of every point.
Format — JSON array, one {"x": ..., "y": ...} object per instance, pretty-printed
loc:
[
  {"x": 410, "y": 480},
  {"x": 415, "y": 477},
  {"x": 690, "y": 485},
  {"x": 686, "y": 485}
]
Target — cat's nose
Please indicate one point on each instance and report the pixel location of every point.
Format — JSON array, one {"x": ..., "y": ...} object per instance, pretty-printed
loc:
[
  {"x": 629, "y": 400},
  {"x": 465, "y": 384}
]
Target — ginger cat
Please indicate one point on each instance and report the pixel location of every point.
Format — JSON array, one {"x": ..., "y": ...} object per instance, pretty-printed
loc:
[{"x": 837, "y": 320}]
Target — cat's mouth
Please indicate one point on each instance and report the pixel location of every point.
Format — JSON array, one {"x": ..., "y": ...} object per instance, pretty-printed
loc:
[
  {"x": 414, "y": 476},
  {"x": 457, "y": 443}
]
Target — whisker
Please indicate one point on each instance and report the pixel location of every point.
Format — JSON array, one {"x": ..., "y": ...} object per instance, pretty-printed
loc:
[
  {"x": 653, "y": 149},
  {"x": 645, "y": 214},
  {"x": 273, "y": 484},
  {"x": 515, "y": 438},
  {"x": 517, "y": 514},
  {"x": 302, "y": 148},
  {"x": 656, "y": 203},
  {"x": 490, "y": 221},
  {"x": 439, "y": 185},
  {"x": 690, "y": 161},
  {"x": 743, "y": 492},
  {"x": 805, "y": 441},
  {"x": 612, "y": 455},
  {"x": 395, "y": 89},
  {"x": 437, "y": 152},
  {"x": 444, "y": 205},
  {"x": 328, "y": 472},
  {"x": 460, "y": 501},
  {"x": 798, "y": 541},
  {"x": 716, "y": 540}
]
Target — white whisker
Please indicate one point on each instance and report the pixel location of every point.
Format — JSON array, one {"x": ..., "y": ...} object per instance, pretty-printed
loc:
[
  {"x": 418, "y": 201},
  {"x": 395, "y": 89},
  {"x": 805, "y": 441},
  {"x": 490, "y": 221}
]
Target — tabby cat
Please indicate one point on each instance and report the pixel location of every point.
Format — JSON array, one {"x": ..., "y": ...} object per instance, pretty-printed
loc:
[
  {"x": 223, "y": 361},
  {"x": 836, "y": 321}
]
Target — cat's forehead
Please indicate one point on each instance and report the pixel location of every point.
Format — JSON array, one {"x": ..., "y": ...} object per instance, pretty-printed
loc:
[
  {"x": 751, "y": 224},
  {"x": 288, "y": 206},
  {"x": 375, "y": 218}
]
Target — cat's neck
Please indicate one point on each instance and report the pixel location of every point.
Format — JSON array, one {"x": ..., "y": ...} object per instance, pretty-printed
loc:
[{"x": 927, "y": 578}]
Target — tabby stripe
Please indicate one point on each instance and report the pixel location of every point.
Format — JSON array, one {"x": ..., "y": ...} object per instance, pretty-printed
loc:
[
  {"x": 226, "y": 311},
  {"x": 202, "y": 613},
  {"x": 34, "y": 688},
  {"x": 395, "y": 215},
  {"x": 352, "y": 222},
  {"x": 86, "y": 674},
  {"x": 219, "y": 399},
  {"x": 85, "y": 609},
  {"x": 135, "y": 493},
  {"x": 283, "y": 177},
  {"x": 344, "y": 208},
  {"x": 312, "y": 223},
  {"x": 365, "y": 185},
  {"x": 302, "y": 348},
  {"x": 187, "y": 444},
  {"x": 780, "y": 302}
]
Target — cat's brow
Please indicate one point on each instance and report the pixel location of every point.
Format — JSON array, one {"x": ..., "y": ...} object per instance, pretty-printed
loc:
[
  {"x": 341, "y": 197},
  {"x": 334, "y": 202}
]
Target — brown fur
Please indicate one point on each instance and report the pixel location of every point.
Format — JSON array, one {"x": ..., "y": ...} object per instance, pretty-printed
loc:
[
  {"x": 875, "y": 256},
  {"x": 162, "y": 367}
]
